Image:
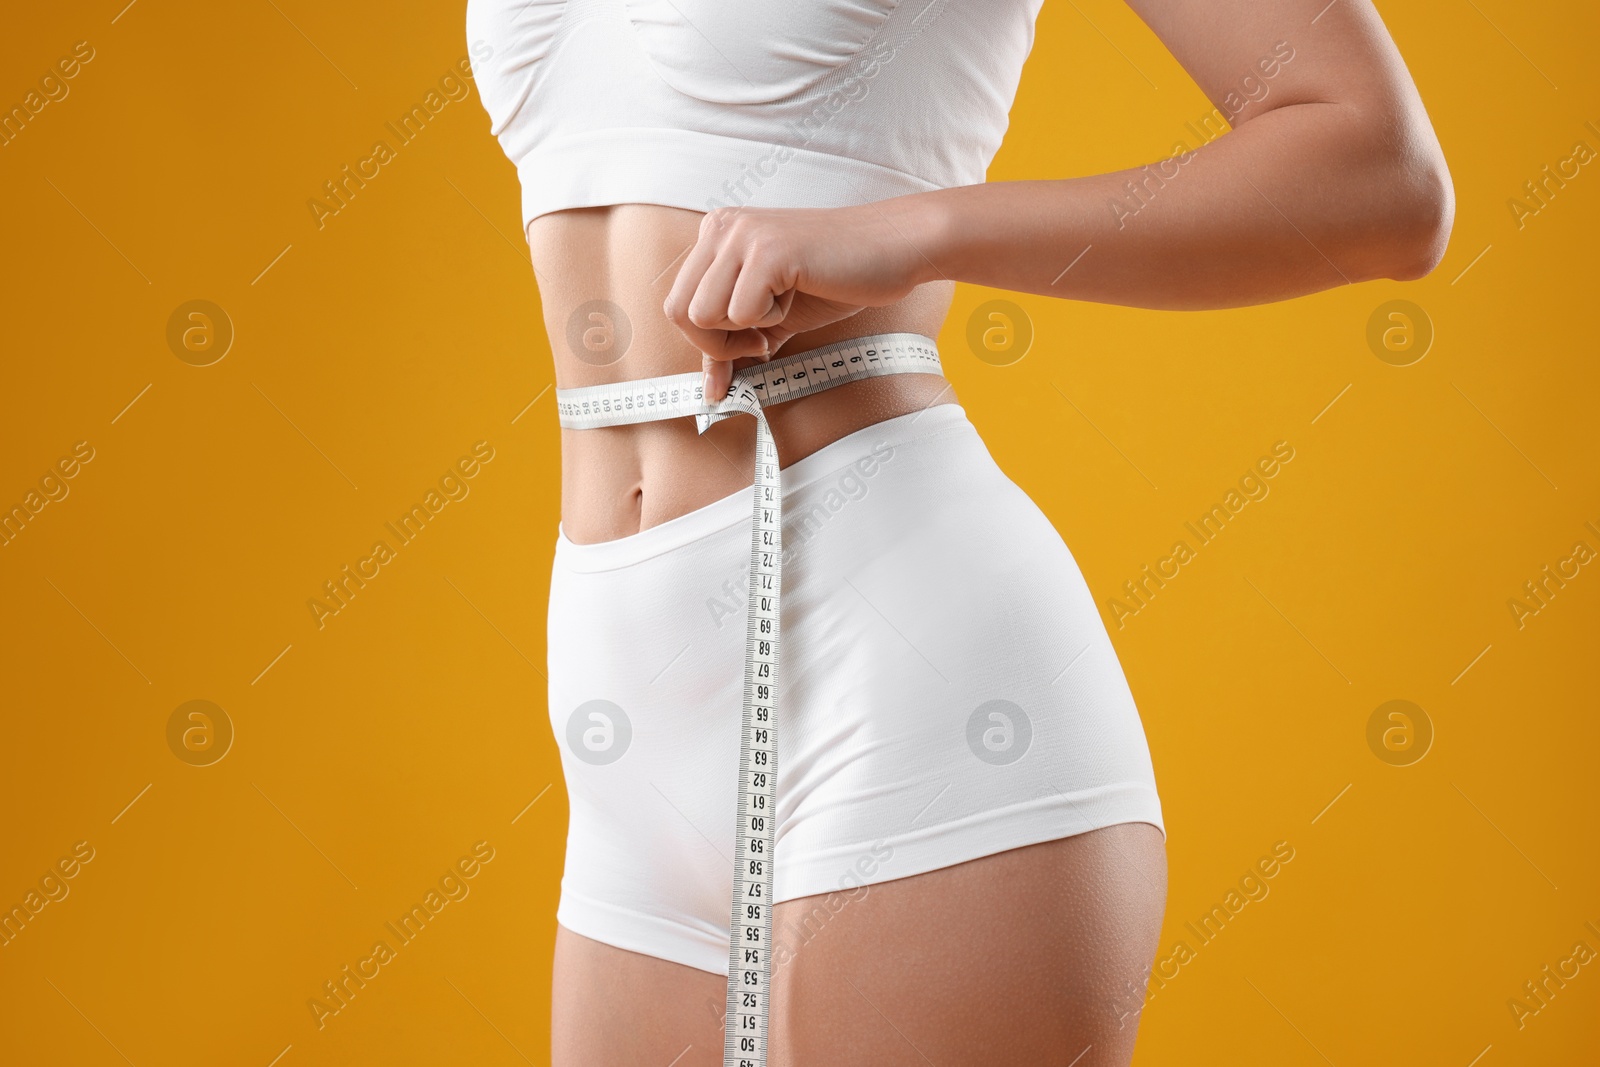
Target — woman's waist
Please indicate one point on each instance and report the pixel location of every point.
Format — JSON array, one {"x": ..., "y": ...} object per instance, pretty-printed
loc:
[
  {"x": 603, "y": 276},
  {"x": 621, "y": 480},
  {"x": 916, "y": 453}
]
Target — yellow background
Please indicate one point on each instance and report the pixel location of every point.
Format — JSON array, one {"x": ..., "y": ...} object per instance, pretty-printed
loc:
[{"x": 373, "y": 753}]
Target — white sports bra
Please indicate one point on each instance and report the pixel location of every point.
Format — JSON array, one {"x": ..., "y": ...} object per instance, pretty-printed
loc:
[{"x": 701, "y": 104}]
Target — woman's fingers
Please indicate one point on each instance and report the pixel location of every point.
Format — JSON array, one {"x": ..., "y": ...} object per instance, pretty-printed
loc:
[
  {"x": 737, "y": 294},
  {"x": 763, "y": 288},
  {"x": 721, "y": 348},
  {"x": 716, "y": 338},
  {"x": 719, "y": 372},
  {"x": 718, "y": 376},
  {"x": 699, "y": 305},
  {"x": 691, "y": 301},
  {"x": 695, "y": 265},
  {"x": 731, "y": 279},
  {"x": 708, "y": 307}
]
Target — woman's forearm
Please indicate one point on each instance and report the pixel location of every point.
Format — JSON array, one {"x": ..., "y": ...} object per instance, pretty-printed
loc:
[{"x": 1300, "y": 199}]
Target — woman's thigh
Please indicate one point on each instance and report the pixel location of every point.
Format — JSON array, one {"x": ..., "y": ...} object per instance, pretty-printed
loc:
[
  {"x": 615, "y": 1008},
  {"x": 1036, "y": 955},
  {"x": 1039, "y": 952}
]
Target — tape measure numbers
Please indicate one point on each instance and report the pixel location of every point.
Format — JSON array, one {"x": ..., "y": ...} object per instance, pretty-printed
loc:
[{"x": 677, "y": 395}]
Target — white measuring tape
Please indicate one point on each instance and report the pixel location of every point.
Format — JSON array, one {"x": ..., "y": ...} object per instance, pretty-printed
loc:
[{"x": 676, "y": 395}]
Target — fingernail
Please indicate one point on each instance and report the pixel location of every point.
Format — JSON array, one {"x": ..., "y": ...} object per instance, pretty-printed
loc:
[{"x": 705, "y": 383}]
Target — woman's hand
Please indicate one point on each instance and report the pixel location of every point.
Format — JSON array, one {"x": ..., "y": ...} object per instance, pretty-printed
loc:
[{"x": 757, "y": 276}]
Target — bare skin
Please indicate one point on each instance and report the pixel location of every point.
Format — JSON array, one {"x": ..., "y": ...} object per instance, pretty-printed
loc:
[
  {"x": 624, "y": 479},
  {"x": 1333, "y": 177},
  {"x": 917, "y": 970}
]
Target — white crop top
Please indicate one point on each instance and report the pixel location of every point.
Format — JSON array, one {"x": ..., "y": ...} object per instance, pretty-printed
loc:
[{"x": 774, "y": 103}]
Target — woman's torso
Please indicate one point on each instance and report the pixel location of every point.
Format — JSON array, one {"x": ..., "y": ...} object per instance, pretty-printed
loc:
[
  {"x": 664, "y": 109},
  {"x": 603, "y": 274}
]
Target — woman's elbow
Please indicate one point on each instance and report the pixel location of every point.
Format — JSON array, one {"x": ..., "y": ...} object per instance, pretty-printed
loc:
[{"x": 1423, "y": 212}]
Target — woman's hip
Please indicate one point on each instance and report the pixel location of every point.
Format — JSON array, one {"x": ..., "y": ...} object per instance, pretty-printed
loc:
[{"x": 943, "y": 663}]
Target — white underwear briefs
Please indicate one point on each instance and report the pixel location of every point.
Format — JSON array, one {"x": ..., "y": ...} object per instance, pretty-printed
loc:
[{"x": 948, "y": 690}]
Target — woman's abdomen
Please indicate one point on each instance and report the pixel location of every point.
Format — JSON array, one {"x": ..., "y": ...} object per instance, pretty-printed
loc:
[{"x": 603, "y": 274}]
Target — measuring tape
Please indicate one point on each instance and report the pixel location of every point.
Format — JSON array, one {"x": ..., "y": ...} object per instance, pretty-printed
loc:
[{"x": 676, "y": 395}]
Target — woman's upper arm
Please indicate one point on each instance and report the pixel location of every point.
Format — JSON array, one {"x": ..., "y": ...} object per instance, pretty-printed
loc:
[
  {"x": 1252, "y": 58},
  {"x": 1341, "y": 53}
]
